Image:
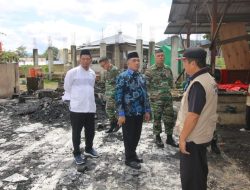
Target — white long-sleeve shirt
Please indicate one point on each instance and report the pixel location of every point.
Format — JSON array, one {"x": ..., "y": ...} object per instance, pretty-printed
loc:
[{"x": 79, "y": 89}]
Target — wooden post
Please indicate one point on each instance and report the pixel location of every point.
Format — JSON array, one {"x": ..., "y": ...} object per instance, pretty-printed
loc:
[{"x": 213, "y": 31}]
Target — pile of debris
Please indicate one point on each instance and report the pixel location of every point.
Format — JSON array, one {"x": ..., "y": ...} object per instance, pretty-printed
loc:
[
  {"x": 47, "y": 107},
  {"x": 50, "y": 111}
]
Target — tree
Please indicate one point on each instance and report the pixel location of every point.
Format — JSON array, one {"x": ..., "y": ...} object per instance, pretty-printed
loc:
[
  {"x": 21, "y": 51},
  {"x": 8, "y": 57},
  {"x": 55, "y": 53}
]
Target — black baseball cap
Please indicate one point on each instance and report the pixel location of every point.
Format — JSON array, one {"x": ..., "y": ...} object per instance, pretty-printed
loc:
[{"x": 195, "y": 53}]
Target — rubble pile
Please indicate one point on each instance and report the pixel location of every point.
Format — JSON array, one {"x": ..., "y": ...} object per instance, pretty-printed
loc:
[
  {"x": 46, "y": 106},
  {"x": 50, "y": 111}
]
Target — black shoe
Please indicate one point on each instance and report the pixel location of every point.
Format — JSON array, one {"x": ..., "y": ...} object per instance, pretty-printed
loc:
[
  {"x": 100, "y": 126},
  {"x": 133, "y": 164},
  {"x": 117, "y": 127},
  {"x": 110, "y": 130},
  {"x": 171, "y": 141},
  {"x": 214, "y": 147},
  {"x": 158, "y": 141},
  {"x": 113, "y": 125},
  {"x": 91, "y": 153},
  {"x": 79, "y": 160},
  {"x": 139, "y": 160}
]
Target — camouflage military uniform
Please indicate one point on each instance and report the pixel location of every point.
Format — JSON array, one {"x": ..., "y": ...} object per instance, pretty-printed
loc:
[
  {"x": 160, "y": 82},
  {"x": 110, "y": 81}
]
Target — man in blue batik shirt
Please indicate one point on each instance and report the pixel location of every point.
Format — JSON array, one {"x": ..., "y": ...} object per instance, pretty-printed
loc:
[{"x": 132, "y": 103}]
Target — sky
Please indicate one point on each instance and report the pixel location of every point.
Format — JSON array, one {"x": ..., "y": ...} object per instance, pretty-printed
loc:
[{"x": 36, "y": 24}]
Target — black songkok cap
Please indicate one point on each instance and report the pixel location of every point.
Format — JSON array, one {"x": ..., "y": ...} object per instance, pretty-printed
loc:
[
  {"x": 195, "y": 53},
  {"x": 133, "y": 54},
  {"x": 85, "y": 52}
]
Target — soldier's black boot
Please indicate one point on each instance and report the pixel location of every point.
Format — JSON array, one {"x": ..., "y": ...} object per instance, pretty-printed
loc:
[
  {"x": 171, "y": 141},
  {"x": 117, "y": 127},
  {"x": 158, "y": 141},
  {"x": 112, "y": 127},
  {"x": 214, "y": 146}
]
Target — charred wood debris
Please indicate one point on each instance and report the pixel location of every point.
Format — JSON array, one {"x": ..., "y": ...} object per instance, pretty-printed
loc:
[{"x": 46, "y": 106}]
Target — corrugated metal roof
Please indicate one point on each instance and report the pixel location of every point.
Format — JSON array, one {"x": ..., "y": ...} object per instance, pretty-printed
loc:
[{"x": 197, "y": 14}]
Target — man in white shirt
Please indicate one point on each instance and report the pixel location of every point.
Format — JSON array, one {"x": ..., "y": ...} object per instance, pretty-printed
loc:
[{"x": 79, "y": 90}]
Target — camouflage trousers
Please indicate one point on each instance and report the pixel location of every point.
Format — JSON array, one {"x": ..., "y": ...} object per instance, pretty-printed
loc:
[
  {"x": 163, "y": 111},
  {"x": 111, "y": 109},
  {"x": 215, "y": 135}
]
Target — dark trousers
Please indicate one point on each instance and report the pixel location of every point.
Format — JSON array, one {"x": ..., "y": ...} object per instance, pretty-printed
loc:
[
  {"x": 248, "y": 117},
  {"x": 193, "y": 167},
  {"x": 78, "y": 121},
  {"x": 131, "y": 131}
]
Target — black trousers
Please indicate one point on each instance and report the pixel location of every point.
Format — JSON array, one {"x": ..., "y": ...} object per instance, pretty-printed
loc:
[
  {"x": 193, "y": 167},
  {"x": 248, "y": 117},
  {"x": 131, "y": 131},
  {"x": 78, "y": 121}
]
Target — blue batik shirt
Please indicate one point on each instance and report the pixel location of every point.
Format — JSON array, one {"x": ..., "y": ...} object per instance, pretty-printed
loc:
[{"x": 131, "y": 94}]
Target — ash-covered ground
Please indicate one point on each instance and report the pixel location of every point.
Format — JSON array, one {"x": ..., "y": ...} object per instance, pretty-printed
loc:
[{"x": 36, "y": 153}]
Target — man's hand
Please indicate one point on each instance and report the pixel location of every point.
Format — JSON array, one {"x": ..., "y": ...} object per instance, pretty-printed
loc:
[
  {"x": 147, "y": 117},
  {"x": 121, "y": 120},
  {"x": 189, "y": 124},
  {"x": 182, "y": 147}
]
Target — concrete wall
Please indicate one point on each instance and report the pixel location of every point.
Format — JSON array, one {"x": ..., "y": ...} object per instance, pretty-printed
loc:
[
  {"x": 58, "y": 68},
  {"x": 174, "y": 54},
  {"x": 9, "y": 79}
]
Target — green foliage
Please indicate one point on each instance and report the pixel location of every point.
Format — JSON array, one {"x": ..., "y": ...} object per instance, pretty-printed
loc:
[
  {"x": 55, "y": 53},
  {"x": 45, "y": 68},
  {"x": 21, "y": 51},
  {"x": 47, "y": 81},
  {"x": 207, "y": 36},
  {"x": 8, "y": 57}
]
